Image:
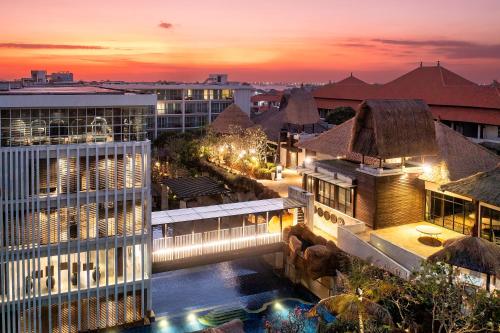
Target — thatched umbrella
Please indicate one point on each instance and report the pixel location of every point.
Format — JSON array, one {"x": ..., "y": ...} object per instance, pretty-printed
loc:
[
  {"x": 474, "y": 253},
  {"x": 353, "y": 307}
]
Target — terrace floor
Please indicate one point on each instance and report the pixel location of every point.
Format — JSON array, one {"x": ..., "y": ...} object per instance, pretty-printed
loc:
[
  {"x": 407, "y": 237},
  {"x": 290, "y": 178}
]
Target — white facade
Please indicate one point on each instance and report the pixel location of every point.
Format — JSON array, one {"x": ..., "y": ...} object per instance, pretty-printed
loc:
[
  {"x": 187, "y": 106},
  {"x": 74, "y": 211}
]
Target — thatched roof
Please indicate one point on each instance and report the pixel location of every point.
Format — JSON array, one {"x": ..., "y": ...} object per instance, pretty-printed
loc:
[
  {"x": 483, "y": 186},
  {"x": 470, "y": 252},
  {"x": 460, "y": 156},
  {"x": 455, "y": 156},
  {"x": 273, "y": 121},
  {"x": 299, "y": 107},
  {"x": 232, "y": 116},
  {"x": 334, "y": 142},
  {"x": 393, "y": 128},
  {"x": 194, "y": 187}
]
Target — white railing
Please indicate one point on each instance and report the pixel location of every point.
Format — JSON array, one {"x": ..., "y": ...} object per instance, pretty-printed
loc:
[{"x": 210, "y": 242}]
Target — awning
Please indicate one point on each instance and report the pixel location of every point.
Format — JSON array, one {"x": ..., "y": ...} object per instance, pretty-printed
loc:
[{"x": 232, "y": 209}]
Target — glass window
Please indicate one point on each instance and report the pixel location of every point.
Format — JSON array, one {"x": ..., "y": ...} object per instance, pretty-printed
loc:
[
  {"x": 490, "y": 224},
  {"x": 160, "y": 107},
  {"x": 450, "y": 212}
]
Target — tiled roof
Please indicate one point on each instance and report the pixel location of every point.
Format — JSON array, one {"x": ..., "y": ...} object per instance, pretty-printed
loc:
[
  {"x": 436, "y": 85},
  {"x": 352, "y": 81},
  {"x": 267, "y": 97}
]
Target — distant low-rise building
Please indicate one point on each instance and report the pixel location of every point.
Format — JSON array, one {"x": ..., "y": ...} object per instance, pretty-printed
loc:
[
  {"x": 190, "y": 106},
  {"x": 266, "y": 101},
  {"x": 61, "y": 77}
]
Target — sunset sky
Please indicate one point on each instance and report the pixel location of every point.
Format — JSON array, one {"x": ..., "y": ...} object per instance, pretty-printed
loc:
[{"x": 259, "y": 40}]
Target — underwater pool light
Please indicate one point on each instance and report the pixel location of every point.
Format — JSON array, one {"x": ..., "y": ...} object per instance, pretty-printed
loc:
[
  {"x": 163, "y": 323},
  {"x": 278, "y": 306},
  {"x": 191, "y": 317}
]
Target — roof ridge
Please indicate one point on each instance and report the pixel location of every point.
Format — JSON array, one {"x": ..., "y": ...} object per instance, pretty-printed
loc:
[{"x": 442, "y": 76}]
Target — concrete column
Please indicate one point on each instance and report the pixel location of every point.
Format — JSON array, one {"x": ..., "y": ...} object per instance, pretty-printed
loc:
[
  {"x": 183, "y": 109},
  {"x": 164, "y": 197},
  {"x": 309, "y": 210},
  {"x": 209, "y": 110}
]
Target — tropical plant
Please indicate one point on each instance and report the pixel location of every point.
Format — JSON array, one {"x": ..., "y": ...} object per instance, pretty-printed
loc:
[
  {"x": 292, "y": 322},
  {"x": 339, "y": 115}
]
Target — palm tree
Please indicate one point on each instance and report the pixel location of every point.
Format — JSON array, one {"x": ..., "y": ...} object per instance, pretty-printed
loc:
[{"x": 353, "y": 308}]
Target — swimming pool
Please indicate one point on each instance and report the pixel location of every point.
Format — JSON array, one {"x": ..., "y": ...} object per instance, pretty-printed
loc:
[
  {"x": 254, "y": 321},
  {"x": 192, "y": 299}
]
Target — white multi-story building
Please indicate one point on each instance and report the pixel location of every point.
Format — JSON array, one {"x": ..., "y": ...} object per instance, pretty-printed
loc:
[
  {"x": 188, "y": 106},
  {"x": 74, "y": 209}
]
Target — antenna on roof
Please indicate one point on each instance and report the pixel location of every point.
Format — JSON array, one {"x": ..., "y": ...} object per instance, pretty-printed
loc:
[
  {"x": 351, "y": 74},
  {"x": 421, "y": 64},
  {"x": 439, "y": 63}
]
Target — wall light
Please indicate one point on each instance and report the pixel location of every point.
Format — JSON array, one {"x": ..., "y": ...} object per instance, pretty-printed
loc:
[{"x": 427, "y": 168}]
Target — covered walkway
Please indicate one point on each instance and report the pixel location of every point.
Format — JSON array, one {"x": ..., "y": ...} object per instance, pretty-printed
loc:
[{"x": 203, "y": 235}]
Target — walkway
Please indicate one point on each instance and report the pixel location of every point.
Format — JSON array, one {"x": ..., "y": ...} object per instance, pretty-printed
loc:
[
  {"x": 290, "y": 178},
  {"x": 259, "y": 227}
]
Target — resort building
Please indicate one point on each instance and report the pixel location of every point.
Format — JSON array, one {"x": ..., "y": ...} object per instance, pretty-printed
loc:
[
  {"x": 471, "y": 109},
  {"x": 266, "y": 101},
  {"x": 393, "y": 168},
  {"x": 74, "y": 209},
  {"x": 190, "y": 106},
  {"x": 297, "y": 118}
]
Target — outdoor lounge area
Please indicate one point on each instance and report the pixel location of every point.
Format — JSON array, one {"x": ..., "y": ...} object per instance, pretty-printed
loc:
[
  {"x": 415, "y": 241},
  {"x": 410, "y": 244}
]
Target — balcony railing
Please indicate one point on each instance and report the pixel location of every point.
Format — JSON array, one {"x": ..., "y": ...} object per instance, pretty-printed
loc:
[{"x": 211, "y": 242}]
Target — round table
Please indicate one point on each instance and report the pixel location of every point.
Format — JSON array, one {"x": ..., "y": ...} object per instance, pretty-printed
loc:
[{"x": 431, "y": 231}]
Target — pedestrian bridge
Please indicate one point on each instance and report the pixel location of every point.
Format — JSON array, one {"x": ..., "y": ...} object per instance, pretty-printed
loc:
[{"x": 204, "y": 235}]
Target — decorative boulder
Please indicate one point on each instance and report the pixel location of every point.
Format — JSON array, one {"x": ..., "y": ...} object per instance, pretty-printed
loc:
[
  {"x": 295, "y": 246},
  {"x": 319, "y": 262}
]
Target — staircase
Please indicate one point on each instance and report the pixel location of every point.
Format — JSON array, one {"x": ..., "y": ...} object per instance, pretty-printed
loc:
[
  {"x": 300, "y": 215},
  {"x": 220, "y": 316}
]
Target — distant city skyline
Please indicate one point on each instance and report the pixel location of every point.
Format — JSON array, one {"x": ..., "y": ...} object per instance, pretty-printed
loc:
[{"x": 278, "y": 41}]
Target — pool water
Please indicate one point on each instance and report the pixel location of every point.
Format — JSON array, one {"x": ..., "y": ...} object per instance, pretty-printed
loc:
[{"x": 188, "y": 300}]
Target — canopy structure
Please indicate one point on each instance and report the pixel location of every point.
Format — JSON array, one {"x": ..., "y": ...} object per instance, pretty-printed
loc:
[
  {"x": 225, "y": 210},
  {"x": 193, "y": 187}
]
